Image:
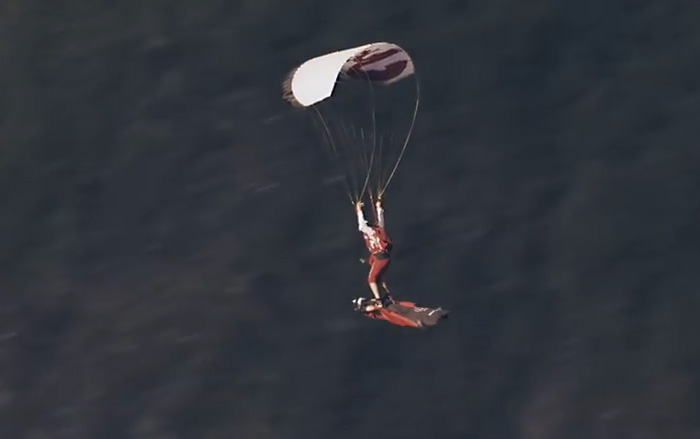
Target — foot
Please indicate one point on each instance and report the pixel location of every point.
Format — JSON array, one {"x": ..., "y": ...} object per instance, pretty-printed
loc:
[{"x": 386, "y": 300}]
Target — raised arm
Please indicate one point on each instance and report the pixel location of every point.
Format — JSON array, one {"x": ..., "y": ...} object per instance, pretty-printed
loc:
[
  {"x": 361, "y": 222},
  {"x": 380, "y": 212}
]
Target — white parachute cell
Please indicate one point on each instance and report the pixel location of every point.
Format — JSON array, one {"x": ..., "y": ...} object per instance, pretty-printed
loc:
[{"x": 363, "y": 108}]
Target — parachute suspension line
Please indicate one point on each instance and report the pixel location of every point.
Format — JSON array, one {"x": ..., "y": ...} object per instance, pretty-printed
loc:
[
  {"x": 346, "y": 153},
  {"x": 346, "y": 139},
  {"x": 364, "y": 159},
  {"x": 331, "y": 143},
  {"x": 344, "y": 132},
  {"x": 380, "y": 154},
  {"x": 387, "y": 142},
  {"x": 358, "y": 160},
  {"x": 408, "y": 137},
  {"x": 373, "y": 137},
  {"x": 346, "y": 158},
  {"x": 335, "y": 125},
  {"x": 357, "y": 157}
]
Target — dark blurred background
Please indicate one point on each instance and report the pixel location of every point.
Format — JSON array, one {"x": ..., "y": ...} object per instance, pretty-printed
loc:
[{"x": 177, "y": 261}]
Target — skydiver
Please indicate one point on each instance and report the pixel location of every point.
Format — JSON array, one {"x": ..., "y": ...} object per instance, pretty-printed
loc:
[{"x": 379, "y": 245}]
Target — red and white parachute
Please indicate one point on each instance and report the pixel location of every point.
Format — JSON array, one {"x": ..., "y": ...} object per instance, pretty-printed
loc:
[{"x": 364, "y": 103}]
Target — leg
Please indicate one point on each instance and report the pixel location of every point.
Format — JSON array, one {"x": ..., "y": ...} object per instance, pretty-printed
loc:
[
  {"x": 375, "y": 290},
  {"x": 372, "y": 276},
  {"x": 379, "y": 266},
  {"x": 386, "y": 298}
]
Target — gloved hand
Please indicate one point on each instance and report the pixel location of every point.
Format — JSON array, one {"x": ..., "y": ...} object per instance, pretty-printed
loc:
[
  {"x": 357, "y": 303},
  {"x": 361, "y": 303},
  {"x": 366, "y": 305}
]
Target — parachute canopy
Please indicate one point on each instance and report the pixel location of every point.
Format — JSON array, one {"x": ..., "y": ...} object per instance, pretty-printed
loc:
[
  {"x": 364, "y": 102},
  {"x": 314, "y": 80}
]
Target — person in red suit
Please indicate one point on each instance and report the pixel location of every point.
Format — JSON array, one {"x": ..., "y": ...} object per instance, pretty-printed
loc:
[{"x": 379, "y": 246}]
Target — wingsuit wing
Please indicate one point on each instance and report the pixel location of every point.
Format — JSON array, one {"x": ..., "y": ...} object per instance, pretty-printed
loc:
[{"x": 404, "y": 313}]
